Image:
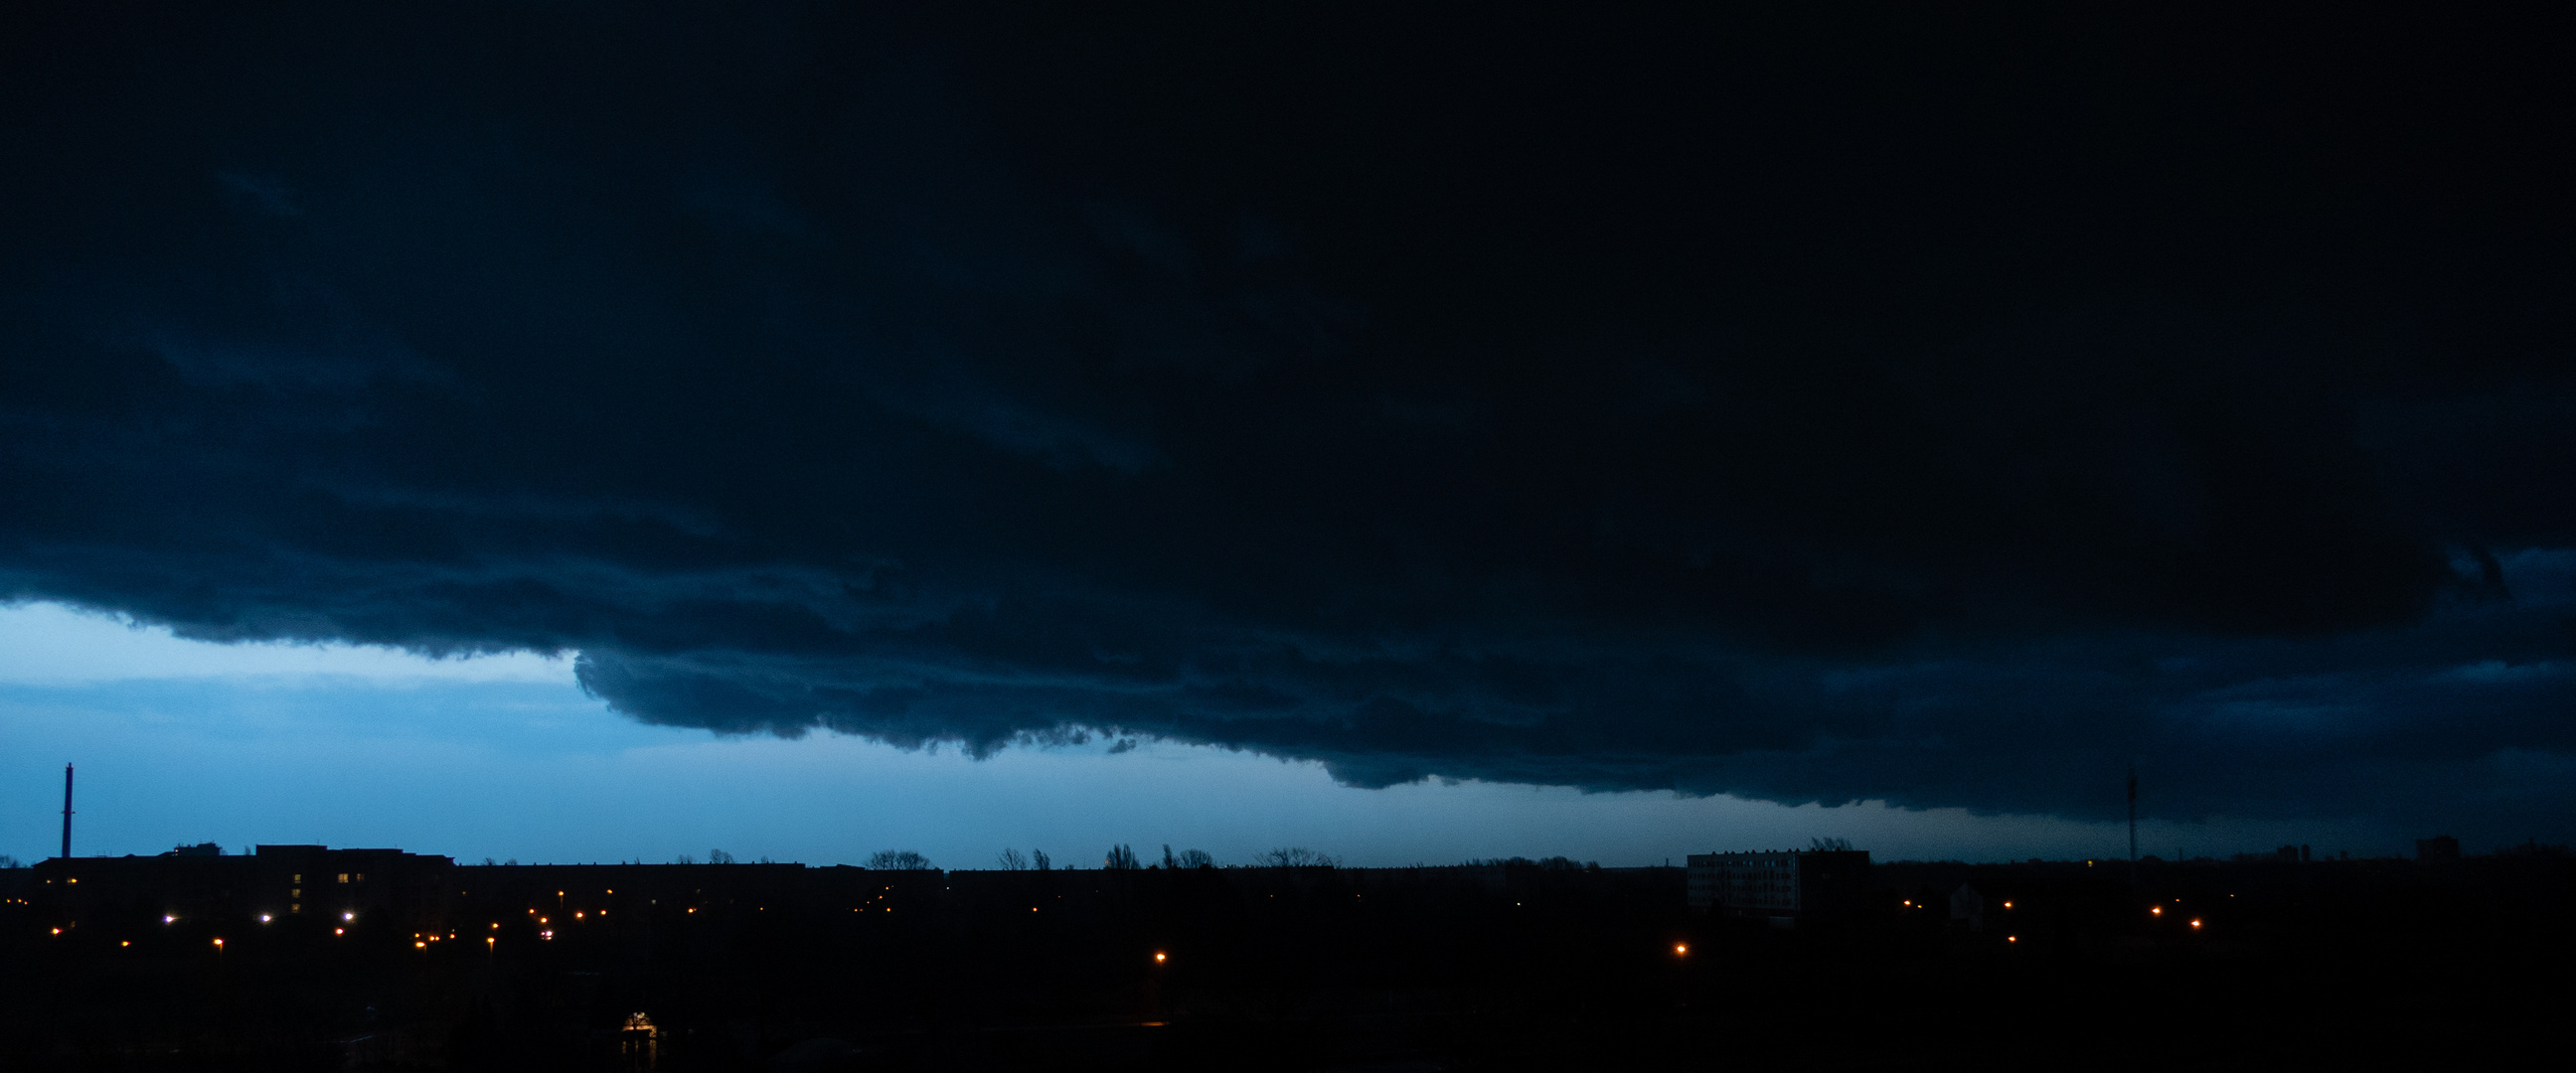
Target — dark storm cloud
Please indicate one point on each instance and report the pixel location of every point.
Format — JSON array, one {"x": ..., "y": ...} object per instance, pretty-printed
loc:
[{"x": 1942, "y": 411}]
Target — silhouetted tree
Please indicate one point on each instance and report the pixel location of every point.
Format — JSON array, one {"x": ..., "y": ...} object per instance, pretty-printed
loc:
[
  {"x": 684, "y": 859},
  {"x": 1011, "y": 861},
  {"x": 1038, "y": 857},
  {"x": 1294, "y": 857},
  {"x": 1829, "y": 845},
  {"x": 898, "y": 860},
  {"x": 1121, "y": 858},
  {"x": 717, "y": 856},
  {"x": 1197, "y": 858}
]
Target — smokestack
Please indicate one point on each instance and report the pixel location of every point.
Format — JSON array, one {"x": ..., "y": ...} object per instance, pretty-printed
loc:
[
  {"x": 2133, "y": 827},
  {"x": 67, "y": 811}
]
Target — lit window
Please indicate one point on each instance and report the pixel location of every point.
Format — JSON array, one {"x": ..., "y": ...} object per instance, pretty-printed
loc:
[{"x": 344, "y": 877}]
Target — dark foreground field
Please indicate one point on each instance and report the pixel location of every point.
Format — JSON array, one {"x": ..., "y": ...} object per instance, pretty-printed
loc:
[{"x": 763, "y": 967}]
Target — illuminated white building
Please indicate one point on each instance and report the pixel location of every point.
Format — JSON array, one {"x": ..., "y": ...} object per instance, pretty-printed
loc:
[{"x": 1777, "y": 883}]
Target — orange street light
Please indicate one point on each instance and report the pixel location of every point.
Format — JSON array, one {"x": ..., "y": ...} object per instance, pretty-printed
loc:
[
  {"x": 1681, "y": 949},
  {"x": 1158, "y": 957},
  {"x": 2156, "y": 911},
  {"x": 2012, "y": 938},
  {"x": 2195, "y": 923},
  {"x": 219, "y": 945}
]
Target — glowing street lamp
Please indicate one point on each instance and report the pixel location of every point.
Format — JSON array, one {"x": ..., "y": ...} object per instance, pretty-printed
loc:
[
  {"x": 1158, "y": 957},
  {"x": 1681, "y": 949}
]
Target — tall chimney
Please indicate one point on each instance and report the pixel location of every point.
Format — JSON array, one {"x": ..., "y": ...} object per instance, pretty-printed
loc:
[
  {"x": 67, "y": 811},
  {"x": 2133, "y": 827}
]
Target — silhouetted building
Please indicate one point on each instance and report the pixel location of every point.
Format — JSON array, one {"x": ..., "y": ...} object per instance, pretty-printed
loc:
[
  {"x": 1968, "y": 908},
  {"x": 2437, "y": 848},
  {"x": 1780, "y": 883},
  {"x": 275, "y": 884}
]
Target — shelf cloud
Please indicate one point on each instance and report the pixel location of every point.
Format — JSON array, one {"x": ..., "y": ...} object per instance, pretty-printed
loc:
[{"x": 1942, "y": 413}]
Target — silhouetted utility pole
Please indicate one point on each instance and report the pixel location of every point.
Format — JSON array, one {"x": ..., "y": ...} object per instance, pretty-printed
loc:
[
  {"x": 2133, "y": 827},
  {"x": 67, "y": 811}
]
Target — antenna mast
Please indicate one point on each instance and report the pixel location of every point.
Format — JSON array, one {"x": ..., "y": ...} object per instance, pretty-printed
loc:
[
  {"x": 2133, "y": 826},
  {"x": 67, "y": 811}
]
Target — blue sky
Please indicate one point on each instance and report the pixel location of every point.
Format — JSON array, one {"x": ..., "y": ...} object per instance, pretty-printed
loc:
[{"x": 504, "y": 756}]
